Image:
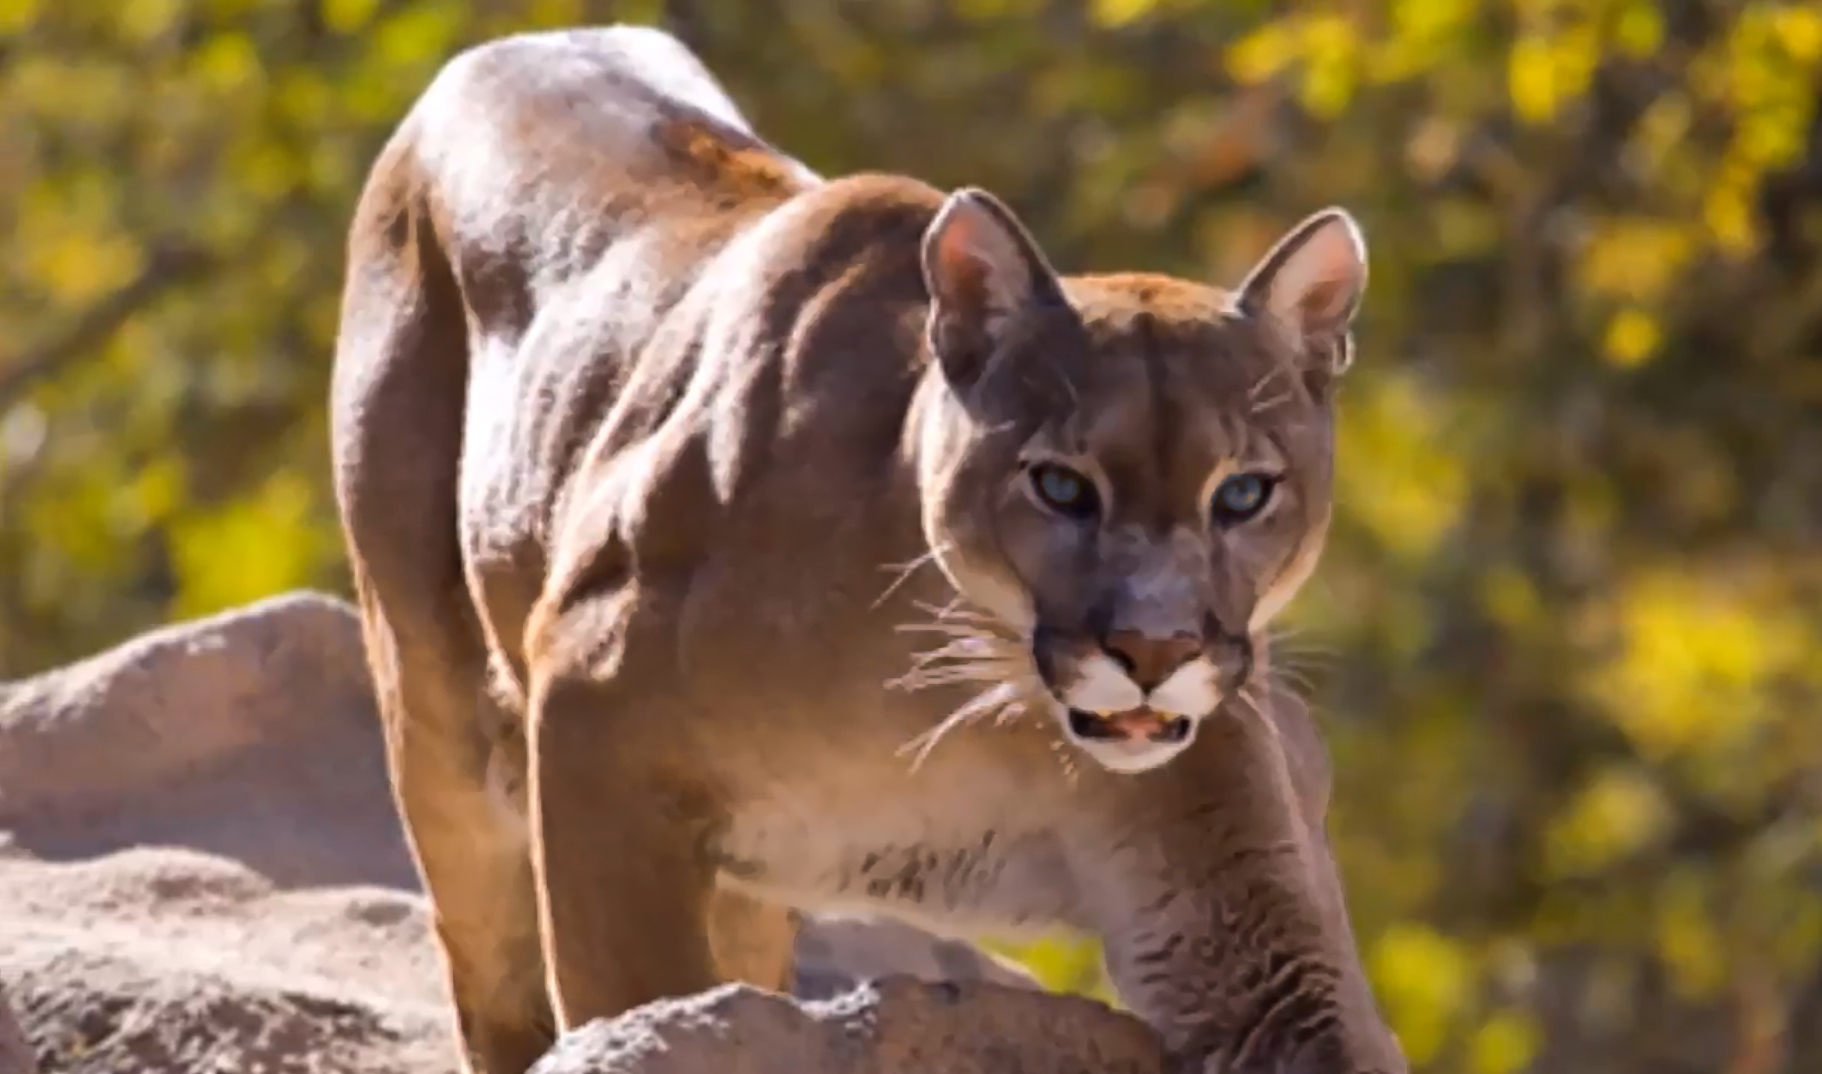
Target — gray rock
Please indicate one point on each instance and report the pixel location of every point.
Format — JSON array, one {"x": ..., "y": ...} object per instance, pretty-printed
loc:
[
  {"x": 15, "y": 1054},
  {"x": 201, "y": 869},
  {"x": 836, "y": 952},
  {"x": 250, "y": 734},
  {"x": 166, "y": 961},
  {"x": 896, "y": 1026},
  {"x": 98, "y": 1014}
]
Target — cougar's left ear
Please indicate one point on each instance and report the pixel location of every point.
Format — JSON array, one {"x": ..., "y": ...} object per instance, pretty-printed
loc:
[
  {"x": 984, "y": 272},
  {"x": 1311, "y": 283}
]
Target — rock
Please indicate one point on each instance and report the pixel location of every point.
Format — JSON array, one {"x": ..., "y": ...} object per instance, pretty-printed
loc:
[
  {"x": 201, "y": 870},
  {"x": 166, "y": 961},
  {"x": 15, "y": 1053},
  {"x": 250, "y": 734},
  {"x": 895, "y": 1026},
  {"x": 103, "y": 1015},
  {"x": 172, "y": 696},
  {"x": 836, "y": 952}
]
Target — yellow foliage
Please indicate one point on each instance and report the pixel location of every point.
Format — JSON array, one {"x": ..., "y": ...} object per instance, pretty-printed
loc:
[
  {"x": 1531, "y": 80},
  {"x": 144, "y": 20},
  {"x": 154, "y": 494},
  {"x": 1264, "y": 52},
  {"x": 80, "y": 525},
  {"x": 16, "y": 16},
  {"x": 1727, "y": 210},
  {"x": 1119, "y": 12},
  {"x": 1425, "y": 982},
  {"x": 1798, "y": 29},
  {"x": 1509, "y": 597},
  {"x": 347, "y": 16},
  {"x": 71, "y": 248},
  {"x": 229, "y": 64},
  {"x": 1687, "y": 941},
  {"x": 1617, "y": 813},
  {"x": 1697, "y": 656},
  {"x": 1661, "y": 131},
  {"x": 1637, "y": 259},
  {"x": 1061, "y": 964},
  {"x": 1633, "y": 336},
  {"x": 558, "y": 13},
  {"x": 1504, "y": 1043},
  {"x": 1413, "y": 492},
  {"x": 417, "y": 36},
  {"x": 1423, "y": 33},
  {"x": 249, "y": 548},
  {"x": 1639, "y": 28},
  {"x": 1546, "y": 71},
  {"x": 1330, "y": 48},
  {"x": 1464, "y": 228}
]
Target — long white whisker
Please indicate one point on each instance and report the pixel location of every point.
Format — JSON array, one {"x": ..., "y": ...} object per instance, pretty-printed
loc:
[
  {"x": 904, "y": 572},
  {"x": 993, "y": 700},
  {"x": 1264, "y": 405},
  {"x": 972, "y": 647}
]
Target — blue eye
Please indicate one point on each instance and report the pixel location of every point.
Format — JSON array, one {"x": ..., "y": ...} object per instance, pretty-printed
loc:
[
  {"x": 1064, "y": 491},
  {"x": 1240, "y": 497}
]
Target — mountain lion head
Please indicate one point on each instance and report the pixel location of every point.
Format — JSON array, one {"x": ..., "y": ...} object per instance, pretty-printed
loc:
[{"x": 1128, "y": 474}]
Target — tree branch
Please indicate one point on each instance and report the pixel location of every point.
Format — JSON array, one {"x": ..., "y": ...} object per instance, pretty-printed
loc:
[{"x": 168, "y": 267}]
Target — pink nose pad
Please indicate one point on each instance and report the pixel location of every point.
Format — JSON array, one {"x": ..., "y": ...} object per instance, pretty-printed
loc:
[{"x": 1150, "y": 660}]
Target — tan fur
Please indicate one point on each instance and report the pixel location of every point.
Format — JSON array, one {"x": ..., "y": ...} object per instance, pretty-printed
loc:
[{"x": 661, "y": 460}]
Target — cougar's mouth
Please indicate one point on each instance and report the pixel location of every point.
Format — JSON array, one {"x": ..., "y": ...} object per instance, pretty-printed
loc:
[{"x": 1140, "y": 723}]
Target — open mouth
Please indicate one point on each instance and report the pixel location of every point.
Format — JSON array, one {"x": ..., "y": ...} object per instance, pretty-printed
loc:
[{"x": 1127, "y": 726}]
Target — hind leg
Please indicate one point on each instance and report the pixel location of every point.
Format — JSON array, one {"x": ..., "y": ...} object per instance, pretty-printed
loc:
[
  {"x": 397, "y": 405},
  {"x": 471, "y": 851},
  {"x": 471, "y": 855}
]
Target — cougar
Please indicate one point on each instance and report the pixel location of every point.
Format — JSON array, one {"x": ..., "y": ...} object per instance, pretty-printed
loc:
[{"x": 730, "y": 539}]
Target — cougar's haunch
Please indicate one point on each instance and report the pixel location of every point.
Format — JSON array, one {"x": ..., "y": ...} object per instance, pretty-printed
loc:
[{"x": 729, "y": 538}]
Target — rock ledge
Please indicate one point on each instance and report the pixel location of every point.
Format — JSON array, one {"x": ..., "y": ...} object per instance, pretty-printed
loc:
[{"x": 896, "y": 1025}]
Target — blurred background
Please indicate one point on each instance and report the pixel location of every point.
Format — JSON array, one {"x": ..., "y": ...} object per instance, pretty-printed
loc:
[{"x": 1565, "y": 638}]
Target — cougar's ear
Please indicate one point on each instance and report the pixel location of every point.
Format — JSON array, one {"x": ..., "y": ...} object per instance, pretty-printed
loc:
[
  {"x": 984, "y": 273},
  {"x": 1311, "y": 283}
]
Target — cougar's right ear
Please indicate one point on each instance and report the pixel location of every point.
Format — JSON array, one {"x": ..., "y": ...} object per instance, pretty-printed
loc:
[
  {"x": 984, "y": 272},
  {"x": 1311, "y": 283}
]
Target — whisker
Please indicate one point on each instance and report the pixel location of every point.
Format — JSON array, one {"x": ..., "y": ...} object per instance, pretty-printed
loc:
[
  {"x": 990, "y": 701},
  {"x": 1256, "y": 705},
  {"x": 972, "y": 647},
  {"x": 1304, "y": 667},
  {"x": 1264, "y": 380},
  {"x": 955, "y": 609},
  {"x": 904, "y": 572},
  {"x": 1301, "y": 643},
  {"x": 1261, "y": 406},
  {"x": 956, "y": 627},
  {"x": 1307, "y": 658}
]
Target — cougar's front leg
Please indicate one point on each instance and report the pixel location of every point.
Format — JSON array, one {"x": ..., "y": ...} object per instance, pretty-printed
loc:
[
  {"x": 618, "y": 831},
  {"x": 1223, "y": 922}
]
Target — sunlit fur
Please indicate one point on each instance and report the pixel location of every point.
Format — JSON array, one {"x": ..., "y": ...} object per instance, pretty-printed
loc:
[{"x": 703, "y": 583}]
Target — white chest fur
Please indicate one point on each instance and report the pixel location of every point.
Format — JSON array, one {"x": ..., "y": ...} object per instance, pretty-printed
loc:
[{"x": 950, "y": 868}]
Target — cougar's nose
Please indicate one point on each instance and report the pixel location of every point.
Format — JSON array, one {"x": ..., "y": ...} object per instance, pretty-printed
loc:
[{"x": 1150, "y": 660}]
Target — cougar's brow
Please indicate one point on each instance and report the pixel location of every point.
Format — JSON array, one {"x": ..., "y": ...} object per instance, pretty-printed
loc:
[{"x": 1166, "y": 414}]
